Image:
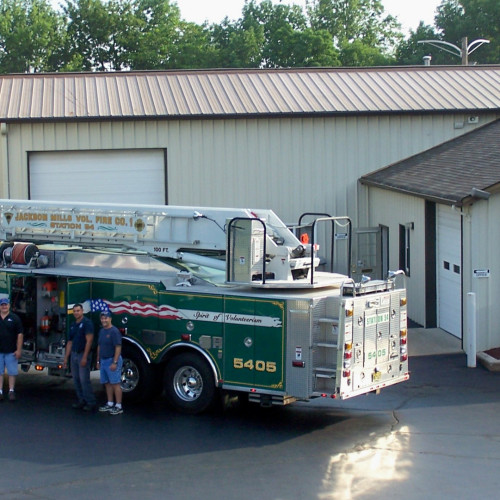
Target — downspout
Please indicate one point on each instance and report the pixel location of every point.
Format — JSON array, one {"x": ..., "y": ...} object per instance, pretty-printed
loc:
[{"x": 4, "y": 162}]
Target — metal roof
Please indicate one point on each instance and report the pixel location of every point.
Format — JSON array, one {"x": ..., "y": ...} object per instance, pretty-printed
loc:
[
  {"x": 449, "y": 172},
  {"x": 247, "y": 93}
]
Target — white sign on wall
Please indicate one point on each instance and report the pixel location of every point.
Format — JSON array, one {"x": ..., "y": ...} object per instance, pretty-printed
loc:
[{"x": 481, "y": 273}]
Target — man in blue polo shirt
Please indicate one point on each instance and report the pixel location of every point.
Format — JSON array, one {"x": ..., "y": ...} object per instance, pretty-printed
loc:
[
  {"x": 11, "y": 344},
  {"x": 80, "y": 338}
]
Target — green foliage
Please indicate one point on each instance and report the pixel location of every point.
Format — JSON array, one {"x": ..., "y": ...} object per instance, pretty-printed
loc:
[
  {"x": 474, "y": 19},
  {"x": 32, "y": 37},
  {"x": 104, "y": 35},
  {"x": 360, "y": 30},
  {"x": 456, "y": 19},
  {"x": 92, "y": 30},
  {"x": 147, "y": 34},
  {"x": 286, "y": 39},
  {"x": 237, "y": 46}
]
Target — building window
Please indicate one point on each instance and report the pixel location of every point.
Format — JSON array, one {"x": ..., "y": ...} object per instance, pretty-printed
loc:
[{"x": 404, "y": 247}]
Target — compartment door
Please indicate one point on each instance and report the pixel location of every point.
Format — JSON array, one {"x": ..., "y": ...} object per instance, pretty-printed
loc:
[{"x": 254, "y": 343}]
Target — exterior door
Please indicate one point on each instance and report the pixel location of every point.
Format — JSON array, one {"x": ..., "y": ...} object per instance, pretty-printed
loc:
[{"x": 449, "y": 272}]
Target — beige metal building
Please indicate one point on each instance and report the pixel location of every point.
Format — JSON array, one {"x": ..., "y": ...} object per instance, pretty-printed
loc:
[{"x": 292, "y": 140}]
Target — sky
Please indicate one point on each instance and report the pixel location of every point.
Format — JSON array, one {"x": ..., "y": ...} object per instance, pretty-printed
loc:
[{"x": 408, "y": 12}]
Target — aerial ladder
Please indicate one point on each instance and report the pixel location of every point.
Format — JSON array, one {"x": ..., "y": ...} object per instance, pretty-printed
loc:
[{"x": 253, "y": 246}]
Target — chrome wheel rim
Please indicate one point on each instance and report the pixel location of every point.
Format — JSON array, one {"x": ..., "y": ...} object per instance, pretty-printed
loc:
[
  {"x": 130, "y": 376},
  {"x": 188, "y": 383}
]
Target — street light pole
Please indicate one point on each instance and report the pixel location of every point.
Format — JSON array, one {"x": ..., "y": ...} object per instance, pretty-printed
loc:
[{"x": 465, "y": 52}]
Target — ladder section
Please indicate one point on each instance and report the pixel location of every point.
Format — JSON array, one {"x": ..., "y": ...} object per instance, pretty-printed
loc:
[
  {"x": 325, "y": 346},
  {"x": 159, "y": 230},
  {"x": 163, "y": 228}
]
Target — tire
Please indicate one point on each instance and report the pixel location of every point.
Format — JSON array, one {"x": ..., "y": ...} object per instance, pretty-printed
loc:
[
  {"x": 137, "y": 376},
  {"x": 189, "y": 384}
]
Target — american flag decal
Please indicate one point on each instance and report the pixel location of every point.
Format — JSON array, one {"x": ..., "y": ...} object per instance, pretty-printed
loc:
[{"x": 135, "y": 308}]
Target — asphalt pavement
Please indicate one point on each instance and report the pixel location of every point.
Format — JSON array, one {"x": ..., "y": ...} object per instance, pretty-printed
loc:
[{"x": 435, "y": 436}]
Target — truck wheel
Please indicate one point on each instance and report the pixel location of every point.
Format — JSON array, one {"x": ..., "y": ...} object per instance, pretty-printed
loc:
[
  {"x": 137, "y": 376},
  {"x": 189, "y": 384}
]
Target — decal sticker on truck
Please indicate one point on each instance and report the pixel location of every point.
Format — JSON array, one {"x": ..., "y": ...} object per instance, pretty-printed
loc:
[{"x": 137, "y": 308}]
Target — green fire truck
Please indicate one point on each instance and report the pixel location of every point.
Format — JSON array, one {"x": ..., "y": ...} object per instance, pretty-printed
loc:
[{"x": 210, "y": 301}]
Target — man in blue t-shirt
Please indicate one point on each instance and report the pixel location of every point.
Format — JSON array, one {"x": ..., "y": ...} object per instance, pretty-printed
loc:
[
  {"x": 110, "y": 361},
  {"x": 79, "y": 346}
]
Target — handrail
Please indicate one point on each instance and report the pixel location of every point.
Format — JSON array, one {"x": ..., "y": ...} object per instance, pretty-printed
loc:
[
  {"x": 334, "y": 220},
  {"x": 320, "y": 214}
]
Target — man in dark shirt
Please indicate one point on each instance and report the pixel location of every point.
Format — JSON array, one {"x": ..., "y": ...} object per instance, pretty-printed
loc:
[
  {"x": 81, "y": 336},
  {"x": 11, "y": 344}
]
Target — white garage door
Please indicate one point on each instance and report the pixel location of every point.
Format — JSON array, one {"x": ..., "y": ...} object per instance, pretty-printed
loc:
[
  {"x": 449, "y": 275},
  {"x": 123, "y": 176}
]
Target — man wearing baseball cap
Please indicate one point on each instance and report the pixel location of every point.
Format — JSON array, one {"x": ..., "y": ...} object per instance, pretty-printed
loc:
[
  {"x": 110, "y": 363},
  {"x": 11, "y": 344}
]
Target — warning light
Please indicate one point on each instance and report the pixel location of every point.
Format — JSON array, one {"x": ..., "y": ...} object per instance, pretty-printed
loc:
[{"x": 304, "y": 238}]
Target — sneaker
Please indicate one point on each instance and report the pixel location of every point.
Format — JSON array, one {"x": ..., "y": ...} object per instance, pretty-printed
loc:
[
  {"x": 88, "y": 407},
  {"x": 78, "y": 406},
  {"x": 105, "y": 408},
  {"x": 116, "y": 410},
  {"x": 12, "y": 396}
]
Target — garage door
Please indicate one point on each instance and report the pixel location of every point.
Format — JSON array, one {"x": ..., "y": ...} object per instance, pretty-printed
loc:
[
  {"x": 124, "y": 176},
  {"x": 449, "y": 275}
]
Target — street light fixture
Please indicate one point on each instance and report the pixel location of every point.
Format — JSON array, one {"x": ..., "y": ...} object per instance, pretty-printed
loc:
[{"x": 463, "y": 52}]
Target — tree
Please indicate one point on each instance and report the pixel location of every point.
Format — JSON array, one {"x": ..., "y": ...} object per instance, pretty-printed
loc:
[
  {"x": 93, "y": 27},
  {"x": 473, "y": 19},
  {"x": 237, "y": 45},
  {"x": 32, "y": 37},
  {"x": 359, "y": 29},
  {"x": 193, "y": 47},
  {"x": 273, "y": 36},
  {"x": 149, "y": 34}
]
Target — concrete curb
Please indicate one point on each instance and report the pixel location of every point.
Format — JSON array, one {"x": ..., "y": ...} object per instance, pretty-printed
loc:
[{"x": 489, "y": 362}]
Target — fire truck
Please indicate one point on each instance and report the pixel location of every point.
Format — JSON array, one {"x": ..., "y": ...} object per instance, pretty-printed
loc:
[{"x": 209, "y": 301}]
